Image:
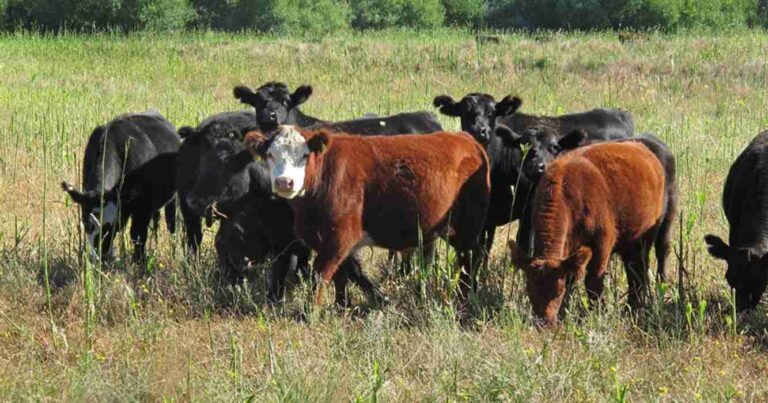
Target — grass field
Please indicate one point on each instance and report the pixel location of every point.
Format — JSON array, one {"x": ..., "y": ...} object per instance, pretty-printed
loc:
[{"x": 71, "y": 331}]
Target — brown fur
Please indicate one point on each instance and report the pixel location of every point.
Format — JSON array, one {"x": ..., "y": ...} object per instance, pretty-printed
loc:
[
  {"x": 593, "y": 201},
  {"x": 390, "y": 187}
]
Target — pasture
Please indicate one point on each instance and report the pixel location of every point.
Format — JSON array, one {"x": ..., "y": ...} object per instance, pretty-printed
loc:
[{"x": 70, "y": 330}]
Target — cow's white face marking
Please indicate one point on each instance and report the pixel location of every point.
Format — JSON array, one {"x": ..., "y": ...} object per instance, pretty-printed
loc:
[
  {"x": 99, "y": 219},
  {"x": 287, "y": 159}
]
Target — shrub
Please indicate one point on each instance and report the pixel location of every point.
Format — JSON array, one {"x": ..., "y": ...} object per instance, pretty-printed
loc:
[
  {"x": 316, "y": 17},
  {"x": 378, "y": 14},
  {"x": 467, "y": 13},
  {"x": 165, "y": 15}
]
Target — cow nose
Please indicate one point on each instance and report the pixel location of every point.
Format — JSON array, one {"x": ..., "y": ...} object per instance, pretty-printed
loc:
[
  {"x": 540, "y": 168},
  {"x": 284, "y": 184},
  {"x": 485, "y": 132},
  {"x": 273, "y": 116}
]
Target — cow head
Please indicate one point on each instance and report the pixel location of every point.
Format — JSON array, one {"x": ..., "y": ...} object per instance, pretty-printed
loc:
[
  {"x": 545, "y": 278},
  {"x": 478, "y": 112},
  {"x": 273, "y": 102},
  {"x": 223, "y": 176},
  {"x": 747, "y": 271},
  {"x": 100, "y": 218},
  {"x": 291, "y": 157},
  {"x": 544, "y": 145}
]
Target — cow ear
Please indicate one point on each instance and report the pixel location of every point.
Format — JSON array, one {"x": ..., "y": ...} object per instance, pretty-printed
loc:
[
  {"x": 572, "y": 140},
  {"x": 447, "y": 105},
  {"x": 518, "y": 256},
  {"x": 76, "y": 195},
  {"x": 320, "y": 142},
  {"x": 301, "y": 95},
  {"x": 508, "y": 106},
  {"x": 244, "y": 94},
  {"x": 256, "y": 144},
  {"x": 577, "y": 263},
  {"x": 508, "y": 137},
  {"x": 186, "y": 132},
  {"x": 717, "y": 247}
]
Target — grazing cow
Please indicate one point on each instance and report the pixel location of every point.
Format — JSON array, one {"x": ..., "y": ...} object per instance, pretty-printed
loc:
[
  {"x": 480, "y": 115},
  {"x": 128, "y": 171},
  {"x": 745, "y": 202},
  {"x": 197, "y": 141},
  {"x": 351, "y": 191},
  {"x": 545, "y": 146},
  {"x": 253, "y": 222},
  {"x": 590, "y": 202}
]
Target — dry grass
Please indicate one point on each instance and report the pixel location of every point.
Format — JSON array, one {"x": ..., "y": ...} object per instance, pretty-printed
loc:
[{"x": 176, "y": 333}]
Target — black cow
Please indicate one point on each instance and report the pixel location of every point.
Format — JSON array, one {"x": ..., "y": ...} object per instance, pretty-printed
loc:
[
  {"x": 275, "y": 106},
  {"x": 197, "y": 142},
  {"x": 745, "y": 202},
  {"x": 480, "y": 114},
  {"x": 255, "y": 225},
  {"x": 128, "y": 171},
  {"x": 545, "y": 145}
]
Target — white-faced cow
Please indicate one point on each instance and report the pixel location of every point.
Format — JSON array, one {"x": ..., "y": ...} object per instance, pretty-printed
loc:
[
  {"x": 128, "y": 172},
  {"x": 745, "y": 202},
  {"x": 351, "y": 191},
  {"x": 546, "y": 146},
  {"x": 256, "y": 226},
  {"x": 480, "y": 114},
  {"x": 196, "y": 143}
]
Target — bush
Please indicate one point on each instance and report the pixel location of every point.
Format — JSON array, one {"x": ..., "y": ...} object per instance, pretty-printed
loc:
[
  {"x": 317, "y": 17},
  {"x": 379, "y": 14},
  {"x": 466, "y": 13},
  {"x": 165, "y": 15}
]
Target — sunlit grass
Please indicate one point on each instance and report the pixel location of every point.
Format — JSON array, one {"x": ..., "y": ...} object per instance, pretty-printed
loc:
[{"x": 128, "y": 333}]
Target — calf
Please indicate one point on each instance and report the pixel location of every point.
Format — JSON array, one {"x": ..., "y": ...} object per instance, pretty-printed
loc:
[
  {"x": 545, "y": 146},
  {"x": 480, "y": 114},
  {"x": 351, "y": 191},
  {"x": 745, "y": 202},
  {"x": 196, "y": 142},
  {"x": 128, "y": 172},
  {"x": 590, "y": 202},
  {"x": 253, "y": 223}
]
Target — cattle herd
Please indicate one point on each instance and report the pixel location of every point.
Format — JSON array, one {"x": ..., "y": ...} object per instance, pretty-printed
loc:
[{"x": 284, "y": 184}]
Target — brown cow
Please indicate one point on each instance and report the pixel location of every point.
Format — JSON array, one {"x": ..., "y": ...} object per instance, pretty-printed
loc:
[
  {"x": 590, "y": 202},
  {"x": 350, "y": 191}
]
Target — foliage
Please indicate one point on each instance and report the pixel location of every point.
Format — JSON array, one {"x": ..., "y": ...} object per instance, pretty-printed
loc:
[
  {"x": 469, "y": 13},
  {"x": 378, "y": 14}
]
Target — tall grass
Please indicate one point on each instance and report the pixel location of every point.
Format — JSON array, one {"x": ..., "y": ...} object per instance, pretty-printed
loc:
[{"x": 80, "y": 332}]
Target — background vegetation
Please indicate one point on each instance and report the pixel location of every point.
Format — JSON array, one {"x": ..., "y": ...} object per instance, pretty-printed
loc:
[
  {"x": 325, "y": 16},
  {"x": 73, "y": 331}
]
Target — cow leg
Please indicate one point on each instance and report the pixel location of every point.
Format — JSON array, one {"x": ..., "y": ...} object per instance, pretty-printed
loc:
[
  {"x": 662, "y": 244},
  {"x": 139, "y": 230},
  {"x": 596, "y": 269},
  {"x": 193, "y": 227},
  {"x": 170, "y": 216},
  {"x": 525, "y": 230},
  {"x": 284, "y": 264},
  {"x": 635, "y": 261},
  {"x": 355, "y": 272}
]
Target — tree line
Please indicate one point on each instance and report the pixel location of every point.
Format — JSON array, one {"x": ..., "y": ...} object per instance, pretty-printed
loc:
[{"x": 328, "y": 16}]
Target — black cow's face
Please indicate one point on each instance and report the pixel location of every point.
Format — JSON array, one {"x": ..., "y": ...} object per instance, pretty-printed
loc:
[
  {"x": 747, "y": 271},
  {"x": 223, "y": 176},
  {"x": 544, "y": 145},
  {"x": 100, "y": 217},
  {"x": 273, "y": 103},
  {"x": 477, "y": 112}
]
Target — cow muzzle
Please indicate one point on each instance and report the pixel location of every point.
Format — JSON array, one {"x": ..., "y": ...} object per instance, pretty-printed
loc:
[{"x": 284, "y": 184}]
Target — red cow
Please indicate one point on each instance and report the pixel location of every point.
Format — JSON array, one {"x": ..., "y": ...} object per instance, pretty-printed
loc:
[
  {"x": 351, "y": 191},
  {"x": 590, "y": 202}
]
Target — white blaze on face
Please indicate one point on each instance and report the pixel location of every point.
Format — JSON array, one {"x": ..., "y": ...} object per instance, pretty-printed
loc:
[
  {"x": 99, "y": 219},
  {"x": 287, "y": 158}
]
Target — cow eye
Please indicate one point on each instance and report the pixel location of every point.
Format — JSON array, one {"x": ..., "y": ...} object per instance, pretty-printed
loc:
[
  {"x": 285, "y": 103},
  {"x": 555, "y": 148}
]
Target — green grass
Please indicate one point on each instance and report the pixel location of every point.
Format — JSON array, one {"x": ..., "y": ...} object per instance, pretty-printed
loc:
[{"x": 176, "y": 333}]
